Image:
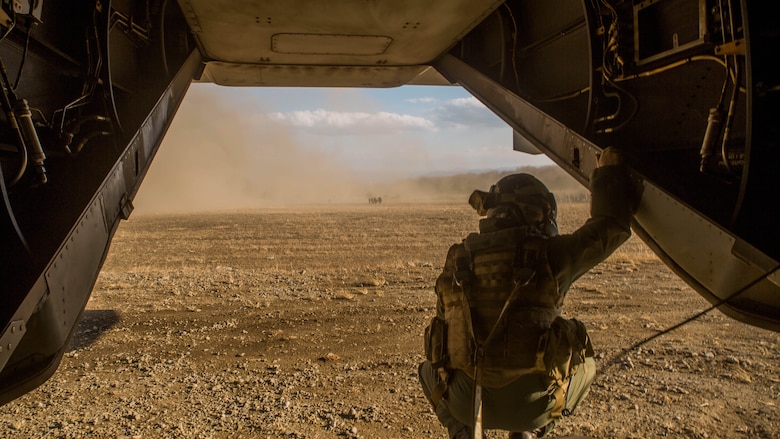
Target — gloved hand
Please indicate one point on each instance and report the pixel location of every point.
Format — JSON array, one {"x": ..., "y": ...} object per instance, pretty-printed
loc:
[
  {"x": 610, "y": 157},
  {"x": 613, "y": 157}
]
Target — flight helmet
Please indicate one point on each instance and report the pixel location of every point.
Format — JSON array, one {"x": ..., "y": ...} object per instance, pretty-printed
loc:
[{"x": 518, "y": 200}]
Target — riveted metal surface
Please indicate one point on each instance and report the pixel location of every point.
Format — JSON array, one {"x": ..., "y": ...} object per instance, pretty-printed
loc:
[
  {"x": 315, "y": 76},
  {"x": 73, "y": 272},
  {"x": 10, "y": 339},
  {"x": 346, "y": 33},
  {"x": 702, "y": 253}
]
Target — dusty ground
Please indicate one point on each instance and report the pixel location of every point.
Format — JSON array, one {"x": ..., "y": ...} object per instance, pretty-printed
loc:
[{"x": 307, "y": 323}]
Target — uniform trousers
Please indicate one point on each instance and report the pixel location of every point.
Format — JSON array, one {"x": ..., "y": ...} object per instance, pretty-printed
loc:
[{"x": 523, "y": 405}]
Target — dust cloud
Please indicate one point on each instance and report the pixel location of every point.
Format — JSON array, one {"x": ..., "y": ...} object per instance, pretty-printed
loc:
[
  {"x": 220, "y": 156},
  {"x": 217, "y": 157}
]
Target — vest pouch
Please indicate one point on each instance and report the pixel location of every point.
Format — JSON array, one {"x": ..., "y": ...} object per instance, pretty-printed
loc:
[
  {"x": 565, "y": 345},
  {"x": 435, "y": 342}
]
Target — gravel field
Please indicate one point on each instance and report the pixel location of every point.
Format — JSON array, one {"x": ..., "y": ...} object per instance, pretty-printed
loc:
[{"x": 307, "y": 322}]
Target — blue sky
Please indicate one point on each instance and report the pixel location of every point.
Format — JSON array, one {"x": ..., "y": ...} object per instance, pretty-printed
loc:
[{"x": 257, "y": 141}]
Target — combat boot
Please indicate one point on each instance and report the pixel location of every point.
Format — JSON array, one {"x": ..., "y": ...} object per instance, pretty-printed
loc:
[
  {"x": 522, "y": 435},
  {"x": 463, "y": 433}
]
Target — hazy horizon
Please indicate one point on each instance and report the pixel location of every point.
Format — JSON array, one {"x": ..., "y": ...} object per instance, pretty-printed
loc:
[{"x": 226, "y": 149}]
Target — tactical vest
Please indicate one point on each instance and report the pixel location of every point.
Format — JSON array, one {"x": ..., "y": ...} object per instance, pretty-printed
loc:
[{"x": 501, "y": 312}]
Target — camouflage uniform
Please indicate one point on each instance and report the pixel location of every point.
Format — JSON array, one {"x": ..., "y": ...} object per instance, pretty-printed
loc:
[{"x": 527, "y": 402}]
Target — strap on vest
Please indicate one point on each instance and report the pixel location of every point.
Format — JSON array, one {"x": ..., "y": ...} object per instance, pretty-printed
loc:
[
  {"x": 438, "y": 391},
  {"x": 476, "y": 431},
  {"x": 529, "y": 276},
  {"x": 561, "y": 388},
  {"x": 466, "y": 307}
]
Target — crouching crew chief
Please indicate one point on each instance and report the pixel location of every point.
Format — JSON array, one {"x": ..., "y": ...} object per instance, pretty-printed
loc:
[{"x": 499, "y": 354}]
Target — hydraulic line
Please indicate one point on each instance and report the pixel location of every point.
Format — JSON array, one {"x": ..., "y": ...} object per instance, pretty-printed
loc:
[
  {"x": 730, "y": 119},
  {"x": 20, "y": 119},
  {"x": 614, "y": 115},
  {"x": 5, "y": 102},
  {"x": 86, "y": 139},
  {"x": 70, "y": 135},
  {"x": 713, "y": 131},
  {"x": 24, "y": 55},
  {"x": 7, "y": 97},
  {"x": 27, "y": 128},
  {"x": 634, "y": 109},
  {"x": 95, "y": 64},
  {"x": 733, "y": 102},
  {"x": 136, "y": 32},
  {"x": 163, "y": 8},
  {"x": 718, "y": 125},
  {"x": 10, "y": 211},
  {"x": 514, "y": 46}
]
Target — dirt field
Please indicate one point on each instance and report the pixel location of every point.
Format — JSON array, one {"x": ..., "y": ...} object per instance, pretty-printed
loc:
[{"x": 308, "y": 322}]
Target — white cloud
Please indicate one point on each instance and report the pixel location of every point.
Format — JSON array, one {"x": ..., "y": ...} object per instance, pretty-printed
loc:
[
  {"x": 466, "y": 112},
  {"x": 428, "y": 100},
  {"x": 336, "y": 122},
  {"x": 465, "y": 102}
]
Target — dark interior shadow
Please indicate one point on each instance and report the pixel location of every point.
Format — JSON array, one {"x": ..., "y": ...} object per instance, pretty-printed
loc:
[{"x": 92, "y": 324}]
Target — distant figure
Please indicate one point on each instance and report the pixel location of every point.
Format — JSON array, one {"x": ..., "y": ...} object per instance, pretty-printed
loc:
[
  {"x": 499, "y": 354},
  {"x": 375, "y": 200}
]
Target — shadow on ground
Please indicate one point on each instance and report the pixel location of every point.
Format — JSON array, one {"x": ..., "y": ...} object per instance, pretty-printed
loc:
[{"x": 93, "y": 323}]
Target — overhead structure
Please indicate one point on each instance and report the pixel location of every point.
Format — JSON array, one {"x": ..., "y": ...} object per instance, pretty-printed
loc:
[{"x": 688, "y": 89}]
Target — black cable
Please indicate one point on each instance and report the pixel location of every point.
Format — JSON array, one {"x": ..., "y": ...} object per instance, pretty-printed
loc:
[
  {"x": 7, "y": 102},
  {"x": 24, "y": 55},
  {"x": 7, "y": 107},
  {"x": 634, "y": 108},
  {"x": 10, "y": 27},
  {"x": 12, "y": 98},
  {"x": 696, "y": 316},
  {"x": 10, "y": 211}
]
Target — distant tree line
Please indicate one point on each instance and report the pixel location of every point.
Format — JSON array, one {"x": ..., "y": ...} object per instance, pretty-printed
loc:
[{"x": 564, "y": 186}]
